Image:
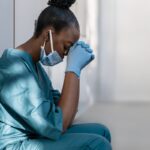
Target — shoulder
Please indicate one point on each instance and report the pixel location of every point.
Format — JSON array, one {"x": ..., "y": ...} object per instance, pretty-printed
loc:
[
  {"x": 13, "y": 71},
  {"x": 12, "y": 64}
]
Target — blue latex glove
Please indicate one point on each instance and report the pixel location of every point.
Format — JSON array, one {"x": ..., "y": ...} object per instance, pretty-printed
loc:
[{"x": 79, "y": 56}]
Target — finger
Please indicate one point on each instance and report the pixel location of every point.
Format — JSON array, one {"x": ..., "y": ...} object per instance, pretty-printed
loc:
[
  {"x": 89, "y": 50},
  {"x": 86, "y": 46},
  {"x": 83, "y": 44},
  {"x": 92, "y": 57},
  {"x": 80, "y": 43}
]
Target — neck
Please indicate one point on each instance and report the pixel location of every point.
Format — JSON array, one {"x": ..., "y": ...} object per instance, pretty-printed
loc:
[{"x": 33, "y": 47}]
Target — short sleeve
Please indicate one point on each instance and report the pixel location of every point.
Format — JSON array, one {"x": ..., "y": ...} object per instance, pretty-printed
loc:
[{"x": 23, "y": 95}]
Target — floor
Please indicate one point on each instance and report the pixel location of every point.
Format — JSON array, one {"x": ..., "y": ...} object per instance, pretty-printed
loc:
[{"x": 129, "y": 123}]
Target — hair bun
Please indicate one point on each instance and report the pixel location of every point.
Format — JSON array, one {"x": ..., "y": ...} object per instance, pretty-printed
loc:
[{"x": 65, "y": 4}]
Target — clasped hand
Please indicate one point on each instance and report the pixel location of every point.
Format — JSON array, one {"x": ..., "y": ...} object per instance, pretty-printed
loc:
[{"x": 79, "y": 56}]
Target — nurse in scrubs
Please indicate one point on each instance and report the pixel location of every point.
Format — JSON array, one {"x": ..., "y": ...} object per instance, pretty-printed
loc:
[{"x": 34, "y": 115}]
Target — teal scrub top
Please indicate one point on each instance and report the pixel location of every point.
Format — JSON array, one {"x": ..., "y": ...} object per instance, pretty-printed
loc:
[{"x": 28, "y": 101}]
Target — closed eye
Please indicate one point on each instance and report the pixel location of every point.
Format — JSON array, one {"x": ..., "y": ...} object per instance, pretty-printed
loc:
[{"x": 67, "y": 48}]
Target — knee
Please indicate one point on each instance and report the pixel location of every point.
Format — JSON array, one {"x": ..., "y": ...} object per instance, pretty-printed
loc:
[
  {"x": 107, "y": 134},
  {"x": 100, "y": 143},
  {"x": 103, "y": 145},
  {"x": 104, "y": 130}
]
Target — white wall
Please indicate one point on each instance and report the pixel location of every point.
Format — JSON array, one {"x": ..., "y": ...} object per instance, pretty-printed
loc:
[
  {"x": 26, "y": 12},
  {"x": 6, "y": 24},
  {"x": 107, "y": 50},
  {"x": 125, "y": 50}
]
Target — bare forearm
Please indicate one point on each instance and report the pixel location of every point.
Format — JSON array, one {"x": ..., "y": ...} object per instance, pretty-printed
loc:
[{"x": 69, "y": 98}]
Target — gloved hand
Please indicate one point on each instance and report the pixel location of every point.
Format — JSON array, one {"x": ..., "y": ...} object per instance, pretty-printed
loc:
[{"x": 79, "y": 56}]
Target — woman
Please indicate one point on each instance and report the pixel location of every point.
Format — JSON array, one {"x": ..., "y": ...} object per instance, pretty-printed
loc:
[{"x": 33, "y": 115}]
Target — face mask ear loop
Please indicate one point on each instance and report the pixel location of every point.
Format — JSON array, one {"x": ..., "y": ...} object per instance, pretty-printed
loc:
[{"x": 51, "y": 40}]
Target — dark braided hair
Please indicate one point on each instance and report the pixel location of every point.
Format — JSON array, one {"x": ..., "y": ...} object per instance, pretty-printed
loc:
[{"x": 58, "y": 15}]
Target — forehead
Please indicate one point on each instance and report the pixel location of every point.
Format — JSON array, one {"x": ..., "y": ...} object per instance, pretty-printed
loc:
[{"x": 70, "y": 34}]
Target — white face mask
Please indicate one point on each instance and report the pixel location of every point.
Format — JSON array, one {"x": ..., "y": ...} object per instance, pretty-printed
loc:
[{"x": 52, "y": 58}]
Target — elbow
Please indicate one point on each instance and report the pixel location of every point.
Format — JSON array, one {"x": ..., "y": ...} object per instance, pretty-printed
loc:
[
  {"x": 66, "y": 124},
  {"x": 65, "y": 127}
]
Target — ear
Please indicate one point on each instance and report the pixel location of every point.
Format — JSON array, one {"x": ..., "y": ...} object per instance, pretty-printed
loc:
[{"x": 46, "y": 34}]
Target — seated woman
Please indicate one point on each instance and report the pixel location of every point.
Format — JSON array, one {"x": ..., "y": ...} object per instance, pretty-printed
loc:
[{"x": 33, "y": 115}]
